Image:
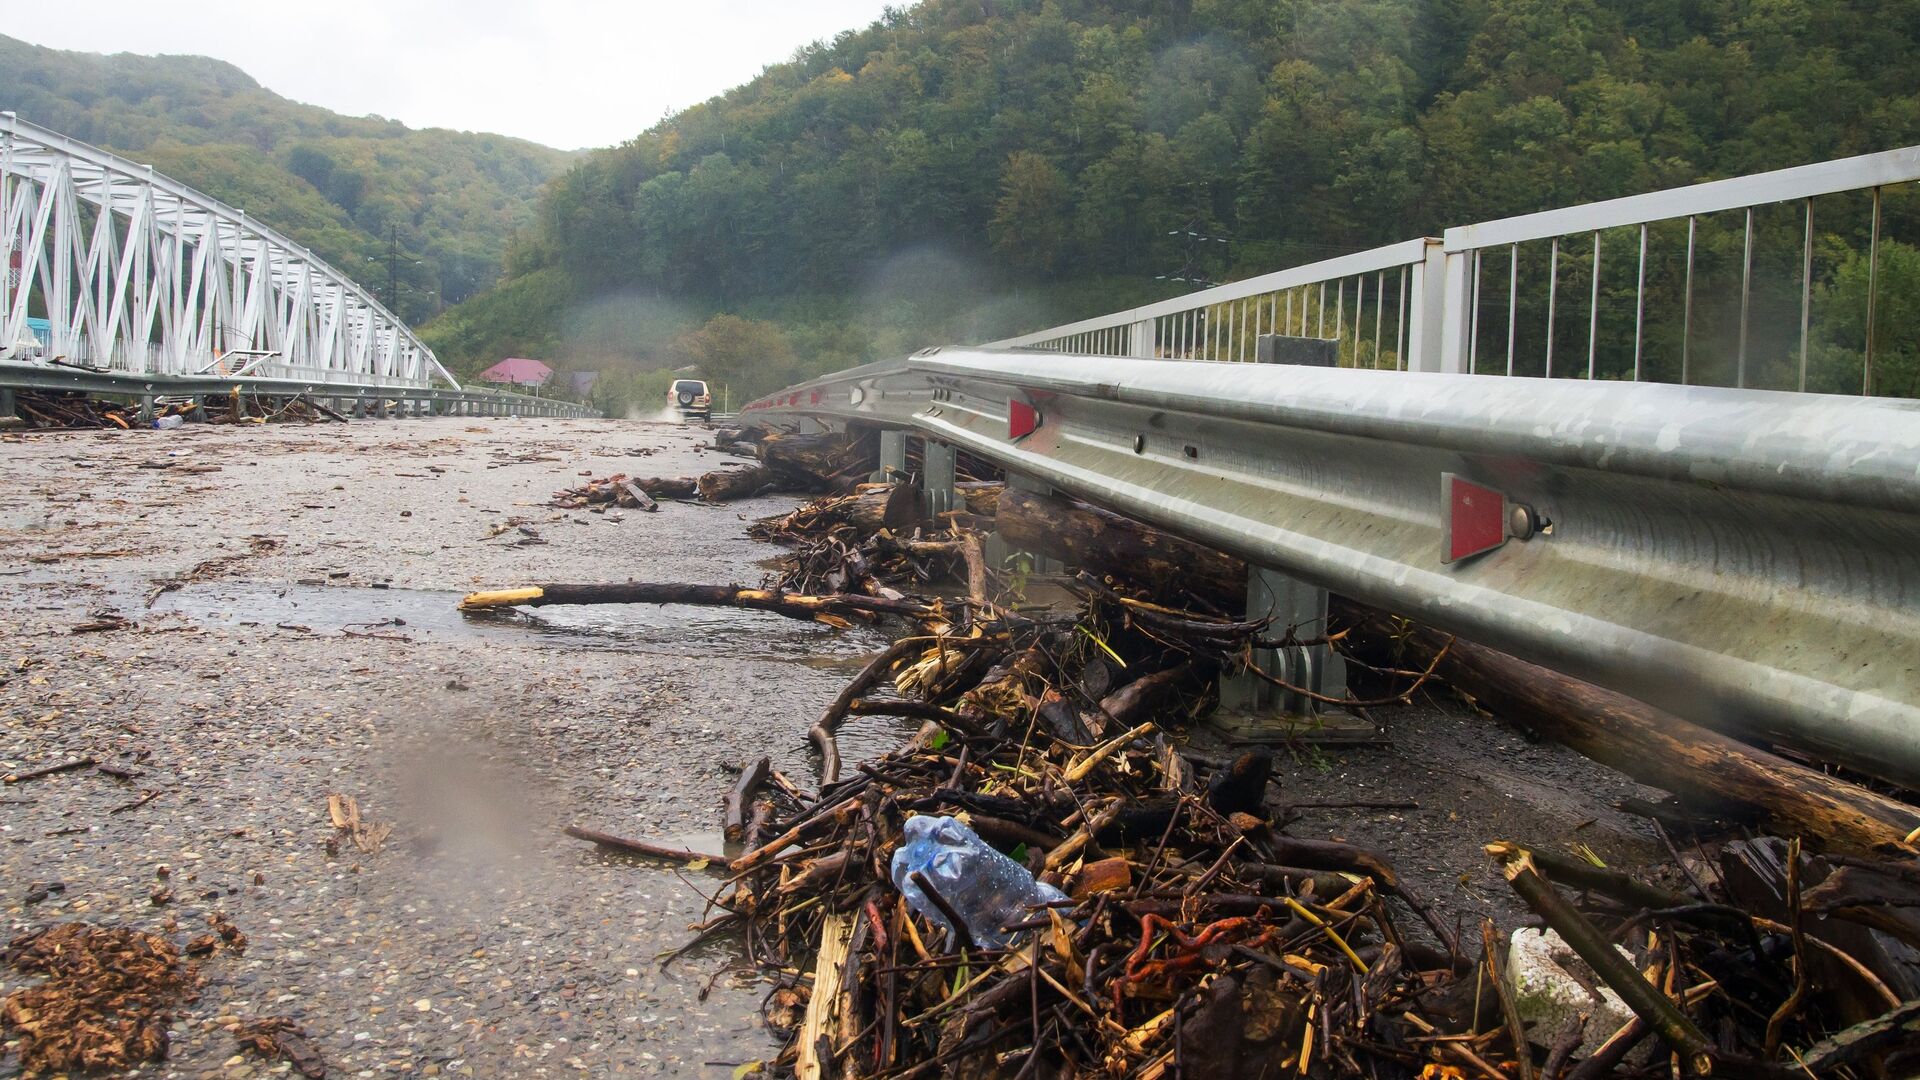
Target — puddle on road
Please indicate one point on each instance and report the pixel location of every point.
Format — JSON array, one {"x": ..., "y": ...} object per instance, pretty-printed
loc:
[
  {"x": 663, "y": 630},
  {"x": 672, "y": 630}
]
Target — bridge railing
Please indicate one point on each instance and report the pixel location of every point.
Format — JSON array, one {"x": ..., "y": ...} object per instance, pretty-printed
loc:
[
  {"x": 1367, "y": 301},
  {"x": 1773, "y": 280}
]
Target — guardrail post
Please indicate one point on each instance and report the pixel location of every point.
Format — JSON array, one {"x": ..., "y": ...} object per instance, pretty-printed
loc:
[
  {"x": 893, "y": 456},
  {"x": 146, "y": 410},
  {"x": 7, "y": 407},
  {"x": 1300, "y": 608},
  {"x": 937, "y": 477},
  {"x": 998, "y": 551},
  {"x": 1141, "y": 339}
]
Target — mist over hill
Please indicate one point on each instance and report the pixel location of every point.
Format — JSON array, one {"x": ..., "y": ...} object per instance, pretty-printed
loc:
[{"x": 344, "y": 186}]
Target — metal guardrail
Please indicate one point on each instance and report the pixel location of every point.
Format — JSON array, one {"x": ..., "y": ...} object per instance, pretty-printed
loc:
[
  {"x": 1747, "y": 559},
  {"x": 357, "y": 397},
  {"x": 1579, "y": 309}
]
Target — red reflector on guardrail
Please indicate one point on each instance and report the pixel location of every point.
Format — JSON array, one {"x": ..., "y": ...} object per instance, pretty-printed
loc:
[
  {"x": 1022, "y": 419},
  {"x": 1474, "y": 518}
]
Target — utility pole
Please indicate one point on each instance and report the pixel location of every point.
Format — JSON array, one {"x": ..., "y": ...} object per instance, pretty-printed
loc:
[{"x": 393, "y": 266}]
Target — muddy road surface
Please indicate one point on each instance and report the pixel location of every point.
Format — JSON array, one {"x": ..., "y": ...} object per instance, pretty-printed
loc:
[{"x": 247, "y": 622}]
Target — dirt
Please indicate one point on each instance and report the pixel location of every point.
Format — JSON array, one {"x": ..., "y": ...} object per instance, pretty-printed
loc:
[{"x": 317, "y": 653}]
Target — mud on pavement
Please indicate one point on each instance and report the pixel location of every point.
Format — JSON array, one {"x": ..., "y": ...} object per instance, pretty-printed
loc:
[{"x": 266, "y": 619}]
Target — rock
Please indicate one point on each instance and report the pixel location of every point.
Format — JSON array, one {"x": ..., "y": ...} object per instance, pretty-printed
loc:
[{"x": 1547, "y": 995}]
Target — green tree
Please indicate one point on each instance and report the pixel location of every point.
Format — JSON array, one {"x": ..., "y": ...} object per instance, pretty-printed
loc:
[{"x": 1029, "y": 225}]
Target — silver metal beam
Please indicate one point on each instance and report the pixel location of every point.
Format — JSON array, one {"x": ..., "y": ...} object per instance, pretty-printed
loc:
[{"x": 1748, "y": 559}]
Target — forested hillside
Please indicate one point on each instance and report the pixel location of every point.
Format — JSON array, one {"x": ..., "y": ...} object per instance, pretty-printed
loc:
[
  {"x": 341, "y": 185},
  {"x": 966, "y": 167}
]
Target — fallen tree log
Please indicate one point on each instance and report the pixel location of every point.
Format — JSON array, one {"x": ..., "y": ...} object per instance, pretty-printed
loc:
[
  {"x": 723, "y": 485},
  {"x": 824, "y": 460},
  {"x": 1652, "y": 746},
  {"x": 1111, "y": 544},
  {"x": 792, "y": 605}
]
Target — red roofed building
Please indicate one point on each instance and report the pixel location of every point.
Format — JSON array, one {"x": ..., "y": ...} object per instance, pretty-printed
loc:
[{"x": 518, "y": 371}]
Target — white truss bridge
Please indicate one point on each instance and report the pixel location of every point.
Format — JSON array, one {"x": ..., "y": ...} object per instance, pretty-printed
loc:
[{"x": 118, "y": 278}]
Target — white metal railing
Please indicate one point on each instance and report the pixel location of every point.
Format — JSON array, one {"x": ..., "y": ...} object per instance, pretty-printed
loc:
[
  {"x": 1365, "y": 300},
  {"x": 1630, "y": 296}
]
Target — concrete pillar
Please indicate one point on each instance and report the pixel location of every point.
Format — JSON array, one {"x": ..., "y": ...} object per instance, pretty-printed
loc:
[
  {"x": 1296, "y": 605},
  {"x": 146, "y": 410},
  {"x": 7, "y": 406}
]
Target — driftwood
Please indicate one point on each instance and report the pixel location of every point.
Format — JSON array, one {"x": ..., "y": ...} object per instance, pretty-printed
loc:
[
  {"x": 792, "y": 605},
  {"x": 1652, "y": 746},
  {"x": 644, "y": 847},
  {"x": 641, "y": 500},
  {"x": 738, "y": 799},
  {"x": 49, "y": 770}
]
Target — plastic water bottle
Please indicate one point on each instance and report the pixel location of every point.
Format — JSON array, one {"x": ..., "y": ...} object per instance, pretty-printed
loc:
[
  {"x": 982, "y": 886},
  {"x": 163, "y": 423}
]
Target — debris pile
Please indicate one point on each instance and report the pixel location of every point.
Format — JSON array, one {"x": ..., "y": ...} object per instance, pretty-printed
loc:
[
  {"x": 279, "y": 1038},
  {"x": 105, "y": 1000},
  {"x": 65, "y": 409}
]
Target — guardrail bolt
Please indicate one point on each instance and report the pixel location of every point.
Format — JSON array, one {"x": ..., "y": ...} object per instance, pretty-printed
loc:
[{"x": 1523, "y": 521}]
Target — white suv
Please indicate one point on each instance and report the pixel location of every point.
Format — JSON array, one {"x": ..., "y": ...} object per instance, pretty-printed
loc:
[{"x": 691, "y": 398}]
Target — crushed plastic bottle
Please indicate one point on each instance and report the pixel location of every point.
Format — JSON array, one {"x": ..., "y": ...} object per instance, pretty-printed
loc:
[
  {"x": 162, "y": 423},
  {"x": 985, "y": 888}
]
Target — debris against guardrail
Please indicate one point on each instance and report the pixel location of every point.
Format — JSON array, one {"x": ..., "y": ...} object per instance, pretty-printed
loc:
[{"x": 1195, "y": 935}]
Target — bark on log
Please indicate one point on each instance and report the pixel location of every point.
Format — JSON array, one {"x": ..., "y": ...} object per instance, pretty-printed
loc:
[
  {"x": 1652, "y": 746},
  {"x": 644, "y": 847},
  {"x": 1107, "y": 543},
  {"x": 818, "y": 461},
  {"x": 722, "y": 485},
  {"x": 670, "y": 487},
  {"x": 751, "y": 777},
  {"x": 897, "y": 506},
  {"x": 1645, "y": 743},
  {"x": 792, "y": 605},
  {"x": 637, "y": 497}
]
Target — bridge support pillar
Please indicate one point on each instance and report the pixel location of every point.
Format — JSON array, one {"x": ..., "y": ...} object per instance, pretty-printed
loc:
[
  {"x": 937, "y": 477},
  {"x": 1255, "y": 708},
  {"x": 893, "y": 456}
]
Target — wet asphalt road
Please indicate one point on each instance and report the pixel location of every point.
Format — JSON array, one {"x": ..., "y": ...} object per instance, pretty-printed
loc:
[{"x": 478, "y": 942}]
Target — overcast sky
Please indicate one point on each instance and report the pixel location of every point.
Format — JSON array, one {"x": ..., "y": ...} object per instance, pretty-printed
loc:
[{"x": 568, "y": 73}]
